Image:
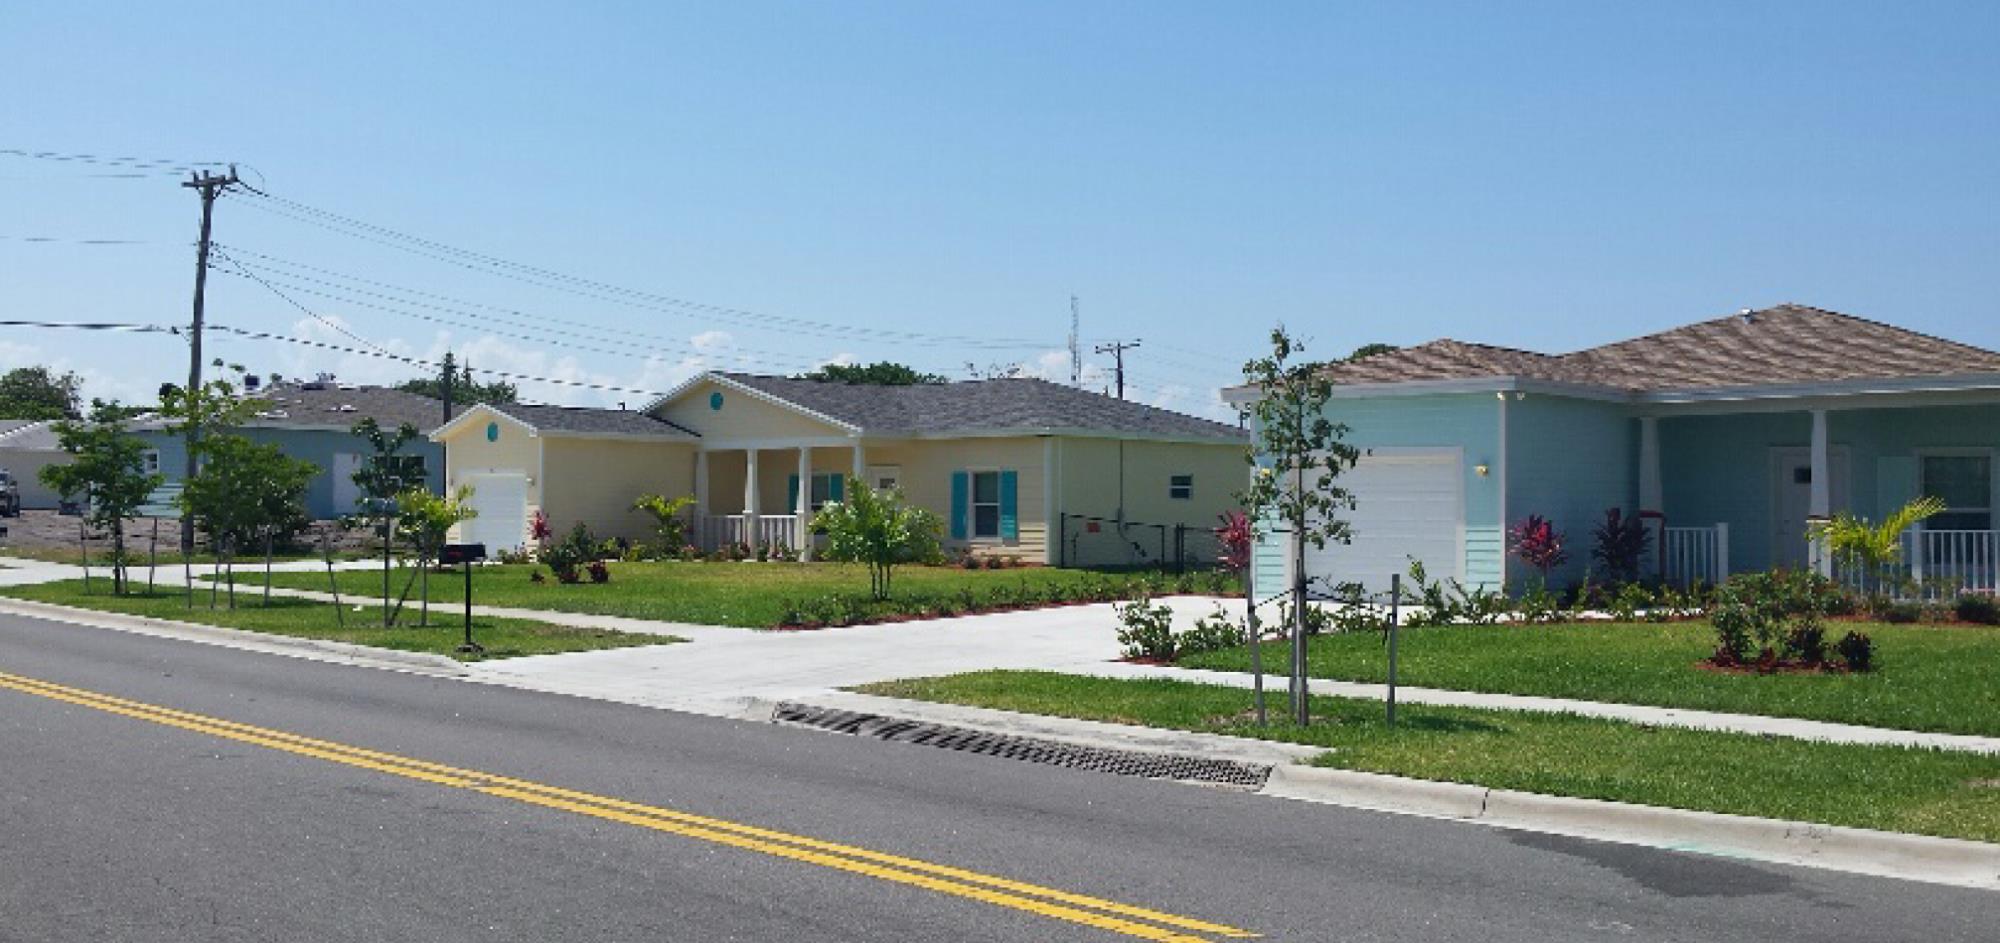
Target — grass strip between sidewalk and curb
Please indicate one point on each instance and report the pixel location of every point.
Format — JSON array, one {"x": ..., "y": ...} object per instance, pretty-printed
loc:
[
  {"x": 1933, "y": 678},
  {"x": 1899, "y": 789},
  {"x": 302, "y": 618}
]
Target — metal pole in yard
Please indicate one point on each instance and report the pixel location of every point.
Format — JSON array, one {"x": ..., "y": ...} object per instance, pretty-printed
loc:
[
  {"x": 83, "y": 543},
  {"x": 1395, "y": 617},
  {"x": 388, "y": 528},
  {"x": 470, "y": 647},
  {"x": 152, "y": 556},
  {"x": 267, "y": 568},
  {"x": 1256, "y": 638},
  {"x": 187, "y": 575},
  {"x": 326, "y": 549}
]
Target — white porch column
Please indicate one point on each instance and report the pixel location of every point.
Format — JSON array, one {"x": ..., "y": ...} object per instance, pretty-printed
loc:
[
  {"x": 860, "y": 462},
  {"x": 701, "y": 481},
  {"x": 803, "y": 506},
  {"x": 1820, "y": 502},
  {"x": 750, "y": 504}
]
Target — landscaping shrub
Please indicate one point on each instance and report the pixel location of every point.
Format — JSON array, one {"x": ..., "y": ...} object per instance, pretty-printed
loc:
[
  {"x": 1857, "y": 651},
  {"x": 1538, "y": 606},
  {"x": 599, "y": 573},
  {"x": 1318, "y": 620},
  {"x": 1538, "y": 544},
  {"x": 1978, "y": 608},
  {"x": 1806, "y": 645},
  {"x": 1448, "y": 602},
  {"x": 1146, "y": 629},
  {"x": 1900, "y": 613},
  {"x": 1621, "y": 542},
  {"x": 1630, "y": 600},
  {"x": 1211, "y": 633},
  {"x": 1764, "y": 609}
]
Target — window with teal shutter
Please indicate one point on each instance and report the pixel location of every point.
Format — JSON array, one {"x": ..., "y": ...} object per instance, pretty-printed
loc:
[
  {"x": 961, "y": 487},
  {"x": 1010, "y": 506},
  {"x": 791, "y": 494},
  {"x": 836, "y": 488}
]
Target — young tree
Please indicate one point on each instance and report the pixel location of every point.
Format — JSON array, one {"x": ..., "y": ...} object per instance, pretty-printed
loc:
[
  {"x": 107, "y": 473},
  {"x": 1873, "y": 550},
  {"x": 426, "y": 520},
  {"x": 40, "y": 393},
  {"x": 884, "y": 373},
  {"x": 1299, "y": 455},
  {"x": 246, "y": 492},
  {"x": 876, "y": 528},
  {"x": 383, "y": 475}
]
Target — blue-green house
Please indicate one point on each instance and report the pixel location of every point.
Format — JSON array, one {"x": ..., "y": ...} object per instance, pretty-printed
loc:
[
  {"x": 313, "y": 420},
  {"x": 1726, "y": 436}
]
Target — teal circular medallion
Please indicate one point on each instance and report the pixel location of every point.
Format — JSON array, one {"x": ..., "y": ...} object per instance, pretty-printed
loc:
[
  {"x": 715, "y": 401},
  {"x": 492, "y": 432}
]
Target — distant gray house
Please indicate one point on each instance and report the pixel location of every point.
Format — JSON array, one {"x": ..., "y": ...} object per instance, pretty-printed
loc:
[
  {"x": 313, "y": 420},
  {"x": 26, "y": 447}
]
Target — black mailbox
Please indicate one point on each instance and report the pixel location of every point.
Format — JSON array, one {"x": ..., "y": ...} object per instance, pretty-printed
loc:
[{"x": 461, "y": 553}]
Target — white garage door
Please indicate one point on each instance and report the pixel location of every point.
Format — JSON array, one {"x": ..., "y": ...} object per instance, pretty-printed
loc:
[
  {"x": 1408, "y": 504},
  {"x": 502, "y": 503}
]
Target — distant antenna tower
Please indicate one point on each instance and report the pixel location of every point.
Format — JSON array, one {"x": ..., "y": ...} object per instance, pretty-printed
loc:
[{"x": 1075, "y": 351}]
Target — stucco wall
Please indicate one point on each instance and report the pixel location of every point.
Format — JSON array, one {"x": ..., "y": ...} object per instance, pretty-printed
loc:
[
  {"x": 26, "y": 466},
  {"x": 926, "y": 466},
  {"x": 1469, "y": 422},
  {"x": 1569, "y": 460},
  {"x": 595, "y": 481},
  {"x": 1107, "y": 478},
  {"x": 742, "y": 416},
  {"x": 511, "y": 448}
]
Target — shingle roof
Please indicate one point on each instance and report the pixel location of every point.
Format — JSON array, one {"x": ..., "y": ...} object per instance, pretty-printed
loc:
[
  {"x": 984, "y": 406},
  {"x": 29, "y": 436},
  {"x": 1779, "y": 345},
  {"x": 581, "y": 419},
  {"x": 297, "y": 405}
]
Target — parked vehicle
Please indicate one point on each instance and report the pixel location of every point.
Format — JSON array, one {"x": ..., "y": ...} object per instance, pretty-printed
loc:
[{"x": 10, "y": 495}]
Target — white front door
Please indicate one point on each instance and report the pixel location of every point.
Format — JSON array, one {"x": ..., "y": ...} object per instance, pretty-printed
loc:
[
  {"x": 1408, "y": 504},
  {"x": 346, "y": 494},
  {"x": 1791, "y": 499}
]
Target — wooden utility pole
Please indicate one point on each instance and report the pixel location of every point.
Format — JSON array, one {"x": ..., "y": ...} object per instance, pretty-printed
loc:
[
  {"x": 1117, "y": 350},
  {"x": 449, "y": 365},
  {"x": 208, "y": 186}
]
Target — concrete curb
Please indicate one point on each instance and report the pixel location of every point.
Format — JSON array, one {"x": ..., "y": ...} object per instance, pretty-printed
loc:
[
  {"x": 1950, "y": 861},
  {"x": 315, "y": 649}
]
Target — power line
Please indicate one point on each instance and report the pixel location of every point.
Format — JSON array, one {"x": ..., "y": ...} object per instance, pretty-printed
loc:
[
  {"x": 421, "y": 362},
  {"x": 163, "y": 166},
  {"x": 120, "y": 326},
  {"x": 239, "y": 267},
  {"x": 65, "y": 240},
  {"x": 525, "y": 320},
  {"x": 560, "y": 281}
]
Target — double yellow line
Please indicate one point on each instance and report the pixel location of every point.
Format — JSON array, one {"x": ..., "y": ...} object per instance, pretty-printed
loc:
[{"x": 1126, "y": 919}]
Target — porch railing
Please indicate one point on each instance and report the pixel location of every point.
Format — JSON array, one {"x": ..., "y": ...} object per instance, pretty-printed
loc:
[
  {"x": 1946, "y": 562},
  {"x": 1692, "y": 556},
  {"x": 716, "y": 531}
]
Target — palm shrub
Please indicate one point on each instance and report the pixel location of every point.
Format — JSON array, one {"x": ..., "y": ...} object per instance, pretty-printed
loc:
[
  {"x": 878, "y": 529},
  {"x": 1873, "y": 551}
]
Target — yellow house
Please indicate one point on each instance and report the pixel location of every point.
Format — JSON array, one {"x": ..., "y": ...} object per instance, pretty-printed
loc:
[{"x": 1015, "y": 467}]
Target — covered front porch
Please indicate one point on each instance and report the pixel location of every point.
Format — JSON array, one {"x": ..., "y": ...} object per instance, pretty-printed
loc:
[
  {"x": 764, "y": 494},
  {"x": 1734, "y": 486}
]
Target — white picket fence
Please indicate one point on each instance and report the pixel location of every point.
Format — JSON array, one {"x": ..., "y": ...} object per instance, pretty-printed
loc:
[
  {"x": 715, "y": 531},
  {"x": 1691, "y": 556}
]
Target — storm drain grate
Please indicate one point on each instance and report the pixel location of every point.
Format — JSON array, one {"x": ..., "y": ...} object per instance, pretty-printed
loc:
[{"x": 1026, "y": 749}]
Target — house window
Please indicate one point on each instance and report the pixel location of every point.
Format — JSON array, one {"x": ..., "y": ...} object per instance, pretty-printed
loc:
[
  {"x": 1965, "y": 484},
  {"x": 1180, "y": 487},
  {"x": 986, "y": 504},
  {"x": 822, "y": 490},
  {"x": 152, "y": 461}
]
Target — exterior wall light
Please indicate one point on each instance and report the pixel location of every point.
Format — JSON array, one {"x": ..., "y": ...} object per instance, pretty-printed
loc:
[{"x": 1481, "y": 469}]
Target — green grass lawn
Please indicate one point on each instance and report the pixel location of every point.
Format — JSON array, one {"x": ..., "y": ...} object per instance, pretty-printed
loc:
[
  {"x": 1937, "y": 678},
  {"x": 503, "y": 638},
  {"x": 1906, "y": 790},
  {"x": 739, "y": 594}
]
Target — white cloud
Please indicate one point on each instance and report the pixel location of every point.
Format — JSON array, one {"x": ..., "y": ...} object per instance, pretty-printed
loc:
[{"x": 97, "y": 384}]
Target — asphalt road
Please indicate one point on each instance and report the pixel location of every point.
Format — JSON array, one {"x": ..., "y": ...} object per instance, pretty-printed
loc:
[{"x": 144, "y": 826}]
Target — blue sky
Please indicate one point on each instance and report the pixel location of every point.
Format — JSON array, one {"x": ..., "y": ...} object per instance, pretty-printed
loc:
[{"x": 896, "y": 178}]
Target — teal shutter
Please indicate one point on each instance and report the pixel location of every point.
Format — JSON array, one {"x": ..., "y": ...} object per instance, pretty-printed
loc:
[
  {"x": 961, "y": 486},
  {"x": 792, "y": 494},
  {"x": 1010, "y": 528},
  {"x": 834, "y": 489}
]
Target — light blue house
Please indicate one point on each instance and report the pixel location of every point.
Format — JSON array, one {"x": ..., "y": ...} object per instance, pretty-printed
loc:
[
  {"x": 313, "y": 421},
  {"x": 1726, "y": 436}
]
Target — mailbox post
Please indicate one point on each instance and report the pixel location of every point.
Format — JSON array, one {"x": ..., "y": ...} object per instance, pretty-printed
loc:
[{"x": 465, "y": 554}]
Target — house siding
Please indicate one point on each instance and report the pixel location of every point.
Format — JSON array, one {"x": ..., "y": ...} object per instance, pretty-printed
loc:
[
  {"x": 743, "y": 416},
  {"x": 1129, "y": 480},
  {"x": 926, "y": 466},
  {"x": 1569, "y": 460},
  {"x": 317, "y": 446},
  {"x": 595, "y": 481},
  {"x": 1468, "y": 422}
]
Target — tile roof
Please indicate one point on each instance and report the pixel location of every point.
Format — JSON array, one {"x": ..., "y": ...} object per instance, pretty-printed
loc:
[
  {"x": 1779, "y": 345},
  {"x": 984, "y": 406},
  {"x": 588, "y": 420}
]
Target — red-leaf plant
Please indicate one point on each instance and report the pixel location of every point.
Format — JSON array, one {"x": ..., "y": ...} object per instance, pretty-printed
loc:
[
  {"x": 1236, "y": 539},
  {"x": 1537, "y": 542}
]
